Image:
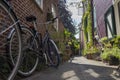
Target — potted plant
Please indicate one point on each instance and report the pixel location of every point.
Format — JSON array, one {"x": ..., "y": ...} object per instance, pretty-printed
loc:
[
  {"x": 111, "y": 55},
  {"x": 92, "y": 53},
  {"x": 115, "y": 56}
]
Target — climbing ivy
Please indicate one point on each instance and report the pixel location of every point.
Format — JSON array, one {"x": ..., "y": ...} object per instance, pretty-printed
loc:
[{"x": 87, "y": 27}]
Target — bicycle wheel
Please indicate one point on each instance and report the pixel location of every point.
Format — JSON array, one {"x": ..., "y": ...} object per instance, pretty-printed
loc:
[
  {"x": 8, "y": 21},
  {"x": 52, "y": 53},
  {"x": 29, "y": 58}
]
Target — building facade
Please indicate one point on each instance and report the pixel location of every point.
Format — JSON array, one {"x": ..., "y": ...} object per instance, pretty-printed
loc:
[
  {"x": 38, "y": 8},
  {"x": 104, "y": 19}
]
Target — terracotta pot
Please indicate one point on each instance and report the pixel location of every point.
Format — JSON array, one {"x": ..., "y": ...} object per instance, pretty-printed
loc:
[{"x": 89, "y": 56}]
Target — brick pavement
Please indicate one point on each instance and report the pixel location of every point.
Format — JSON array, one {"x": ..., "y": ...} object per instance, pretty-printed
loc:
[{"x": 78, "y": 69}]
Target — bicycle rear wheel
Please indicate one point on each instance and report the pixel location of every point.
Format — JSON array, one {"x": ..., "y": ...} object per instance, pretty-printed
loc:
[
  {"x": 52, "y": 53},
  {"x": 30, "y": 58},
  {"x": 7, "y": 19}
]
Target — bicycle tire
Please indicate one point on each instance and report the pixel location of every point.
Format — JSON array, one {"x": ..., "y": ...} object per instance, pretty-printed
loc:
[
  {"x": 52, "y": 53},
  {"x": 9, "y": 15},
  {"x": 29, "y": 58}
]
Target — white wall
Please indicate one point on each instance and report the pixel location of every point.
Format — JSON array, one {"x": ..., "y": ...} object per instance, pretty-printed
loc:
[{"x": 117, "y": 20}]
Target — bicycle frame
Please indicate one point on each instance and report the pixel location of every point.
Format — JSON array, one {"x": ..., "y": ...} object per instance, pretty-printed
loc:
[
  {"x": 41, "y": 41},
  {"x": 17, "y": 21},
  {"x": 14, "y": 26}
]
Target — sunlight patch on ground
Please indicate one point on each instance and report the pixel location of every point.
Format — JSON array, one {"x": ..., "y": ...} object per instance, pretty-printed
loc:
[
  {"x": 85, "y": 61},
  {"x": 114, "y": 76},
  {"x": 70, "y": 75},
  {"x": 92, "y": 73}
]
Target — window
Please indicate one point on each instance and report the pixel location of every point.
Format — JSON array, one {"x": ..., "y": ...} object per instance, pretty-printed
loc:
[
  {"x": 95, "y": 19},
  {"x": 119, "y": 9},
  {"x": 55, "y": 15},
  {"x": 110, "y": 22},
  {"x": 39, "y": 3},
  {"x": 95, "y": 23}
]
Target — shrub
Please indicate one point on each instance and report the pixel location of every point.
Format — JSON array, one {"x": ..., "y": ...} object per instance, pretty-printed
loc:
[
  {"x": 111, "y": 47},
  {"x": 106, "y": 54},
  {"x": 91, "y": 50}
]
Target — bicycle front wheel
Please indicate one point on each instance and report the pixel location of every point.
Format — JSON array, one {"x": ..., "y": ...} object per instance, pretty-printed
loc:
[
  {"x": 8, "y": 22},
  {"x": 52, "y": 53}
]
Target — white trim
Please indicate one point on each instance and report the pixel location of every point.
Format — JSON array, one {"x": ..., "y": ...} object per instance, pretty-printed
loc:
[
  {"x": 39, "y": 3},
  {"x": 117, "y": 16},
  {"x": 54, "y": 15}
]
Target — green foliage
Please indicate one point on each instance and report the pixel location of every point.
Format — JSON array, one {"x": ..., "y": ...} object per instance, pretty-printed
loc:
[
  {"x": 110, "y": 52},
  {"x": 83, "y": 0},
  {"x": 106, "y": 54},
  {"x": 115, "y": 41},
  {"x": 104, "y": 39},
  {"x": 106, "y": 42},
  {"x": 67, "y": 34},
  {"x": 89, "y": 6},
  {"x": 111, "y": 47},
  {"x": 116, "y": 52},
  {"x": 87, "y": 28},
  {"x": 71, "y": 40},
  {"x": 91, "y": 50}
]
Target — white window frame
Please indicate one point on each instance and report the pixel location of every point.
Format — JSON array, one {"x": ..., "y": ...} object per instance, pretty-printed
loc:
[
  {"x": 54, "y": 16},
  {"x": 39, "y": 3}
]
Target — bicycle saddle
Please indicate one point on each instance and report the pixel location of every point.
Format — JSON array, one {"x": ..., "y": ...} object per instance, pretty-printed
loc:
[{"x": 30, "y": 18}]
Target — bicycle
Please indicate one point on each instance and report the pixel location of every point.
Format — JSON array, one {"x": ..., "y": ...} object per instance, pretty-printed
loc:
[
  {"x": 35, "y": 47},
  {"x": 8, "y": 22}
]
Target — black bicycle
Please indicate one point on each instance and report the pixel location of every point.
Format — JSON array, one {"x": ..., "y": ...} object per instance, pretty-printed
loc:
[
  {"x": 35, "y": 48},
  {"x": 8, "y": 22}
]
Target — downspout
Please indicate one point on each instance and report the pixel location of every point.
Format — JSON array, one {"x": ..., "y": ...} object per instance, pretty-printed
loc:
[{"x": 92, "y": 13}]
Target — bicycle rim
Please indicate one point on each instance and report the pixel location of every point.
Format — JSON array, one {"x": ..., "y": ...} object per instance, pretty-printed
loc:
[
  {"x": 30, "y": 59},
  {"x": 7, "y": 18},
  {"x": 52, "y": 54}
]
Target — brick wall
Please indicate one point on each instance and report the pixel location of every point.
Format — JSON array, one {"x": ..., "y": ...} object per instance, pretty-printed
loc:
[
  {"x": 24, "y": 8},
  {"x": 101, "y": 8},
  {"x": 5, "y": 21}
]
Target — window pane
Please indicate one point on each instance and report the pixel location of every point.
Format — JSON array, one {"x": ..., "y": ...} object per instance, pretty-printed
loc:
[
  {"x": 109, "y": 32},
  {"x": 110, "y": 22},
  {"x": 54, "y": 15},
  {"x": 40, "y": 3},
  {"x": 119, "y": 9},
  {"x": 109, "y": 17}
]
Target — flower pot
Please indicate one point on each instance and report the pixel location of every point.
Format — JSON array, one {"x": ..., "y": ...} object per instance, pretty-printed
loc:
[
  {"x": 113, "y": 60},
  {"x": 89, "y": 56}
]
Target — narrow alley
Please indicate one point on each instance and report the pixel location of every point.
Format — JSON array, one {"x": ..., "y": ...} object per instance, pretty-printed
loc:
[
  {"x": 38, "y": 35},
  {"x": 79, "y": 68}
]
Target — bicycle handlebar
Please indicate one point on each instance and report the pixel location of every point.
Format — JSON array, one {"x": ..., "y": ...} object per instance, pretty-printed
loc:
[
  {"x": 54, "y": 19},
  {"x": 51, "y": 21}
]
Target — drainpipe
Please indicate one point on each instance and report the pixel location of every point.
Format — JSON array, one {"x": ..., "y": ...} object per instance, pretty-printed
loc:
[{"x": 92, "y": 12}]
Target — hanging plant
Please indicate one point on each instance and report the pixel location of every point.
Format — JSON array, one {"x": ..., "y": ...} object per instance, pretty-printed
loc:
[{"x": 49, "y": 16}]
